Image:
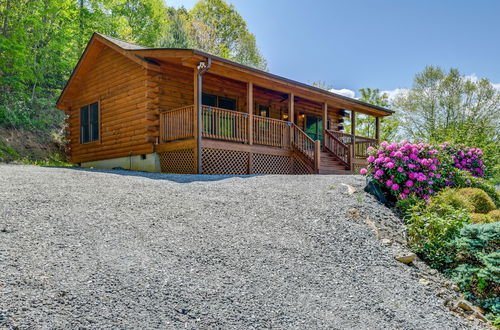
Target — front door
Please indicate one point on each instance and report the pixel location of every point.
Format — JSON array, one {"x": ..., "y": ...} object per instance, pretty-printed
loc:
[{"x": 314, "y": 127}]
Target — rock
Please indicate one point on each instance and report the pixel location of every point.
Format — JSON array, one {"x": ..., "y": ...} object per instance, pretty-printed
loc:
[
  {"x": 386, "y": 241},
  {"x": 424, "y": 281},
  {"x": 353, "y": 213},
  {"x": 465, "y": 305},
  {"x": 455, "y": 287},
  {"x": 433, "y": 272},
  {"x": 480, "y": 316},
  {"x": 350, "y": 189},
  {"x": 406, "y": 258}
]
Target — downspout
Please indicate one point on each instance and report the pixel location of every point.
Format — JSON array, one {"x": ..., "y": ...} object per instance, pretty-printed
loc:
[{"x": 202, "y": 68}]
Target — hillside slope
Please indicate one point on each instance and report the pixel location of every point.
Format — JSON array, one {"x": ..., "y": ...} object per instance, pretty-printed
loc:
[{"x": 81, "y": 248}]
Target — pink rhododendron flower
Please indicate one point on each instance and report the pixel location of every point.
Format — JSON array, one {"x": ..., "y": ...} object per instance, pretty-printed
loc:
[
  {"x": 363, "y": 171},
  {"x": 409, "y": 183},
  {"x": 400, "y": 169},
  {"x": 388, "y": 183},
  {"x": 395, "y": 186},
  {"x": 370, "y": 159}
]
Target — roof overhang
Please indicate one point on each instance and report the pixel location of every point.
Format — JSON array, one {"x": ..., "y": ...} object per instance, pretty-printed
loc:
[{"x": 220, "y": 66}]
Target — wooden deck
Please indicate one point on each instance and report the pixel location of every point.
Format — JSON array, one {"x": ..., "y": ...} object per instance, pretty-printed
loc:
[{"x": 238, "y": 143}]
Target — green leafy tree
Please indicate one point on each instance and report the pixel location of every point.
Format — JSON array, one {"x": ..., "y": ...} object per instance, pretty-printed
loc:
[
  {"x": 366, "y": 124},
  {"x": 446, "y": 106},
  {"x": 217, "y": 27}
]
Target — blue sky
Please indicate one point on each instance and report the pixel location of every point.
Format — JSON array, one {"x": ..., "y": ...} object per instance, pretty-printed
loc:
[{"x": 378, "y": 44}]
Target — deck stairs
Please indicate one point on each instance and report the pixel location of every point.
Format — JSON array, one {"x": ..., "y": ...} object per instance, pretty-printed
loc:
[{"x": 329, "y": 164}]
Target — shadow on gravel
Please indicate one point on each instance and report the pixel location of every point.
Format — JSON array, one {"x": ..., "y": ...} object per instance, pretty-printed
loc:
[{"x": 178, "y": 178}]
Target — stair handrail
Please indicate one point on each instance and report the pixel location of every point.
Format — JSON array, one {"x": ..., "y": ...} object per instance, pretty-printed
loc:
[
  {"x": 306, "y": 146},
  {"x": 338, "y": 148}
]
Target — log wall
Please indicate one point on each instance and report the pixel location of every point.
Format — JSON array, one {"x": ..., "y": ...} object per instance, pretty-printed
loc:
[{"x": 121, "y": 88}]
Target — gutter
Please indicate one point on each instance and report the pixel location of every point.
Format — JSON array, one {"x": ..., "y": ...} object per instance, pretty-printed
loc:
[{"x": 202, "y": 68}]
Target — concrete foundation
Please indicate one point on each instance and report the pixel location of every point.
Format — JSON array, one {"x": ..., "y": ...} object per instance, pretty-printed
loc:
[{"x": 146, "y": 163}]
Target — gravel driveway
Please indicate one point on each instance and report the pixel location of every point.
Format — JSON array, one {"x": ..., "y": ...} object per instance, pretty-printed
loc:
[{"x": 96, "y": 249}]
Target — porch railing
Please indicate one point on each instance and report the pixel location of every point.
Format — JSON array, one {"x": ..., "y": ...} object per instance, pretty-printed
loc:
[
  {"x": 360, "y": 146},
  {"x": 271, "y": 132},
  {"x": 225, "y": 124},
  {"x": 177, "y": 124}
]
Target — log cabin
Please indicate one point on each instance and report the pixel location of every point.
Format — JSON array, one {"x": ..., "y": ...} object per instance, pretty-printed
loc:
[{"x": 186, "y": 111}]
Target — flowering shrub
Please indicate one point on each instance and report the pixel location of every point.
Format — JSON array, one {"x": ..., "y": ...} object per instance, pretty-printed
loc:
[
  {"x": 464, "y": 158},
  {"x": 405, "y": 168}
]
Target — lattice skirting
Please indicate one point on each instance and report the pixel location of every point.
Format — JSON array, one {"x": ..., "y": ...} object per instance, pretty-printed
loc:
[
  {"x": 299, "y": 167},
  {"x": 220, "y": 161},
  {"x": 178, "y": 161}
]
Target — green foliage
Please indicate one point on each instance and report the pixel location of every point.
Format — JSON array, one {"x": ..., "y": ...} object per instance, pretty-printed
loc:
[
  {"x": 478, "y": 199},
  {"x": 446, "y": 106},
  {"x": 365, "y": 125},
  {"x": 478, "y": 273},
  {"x": 453, "y": 198},
  {"x": 481, "y": 218},
  {"x": 41, "y": 41},
  {"x": 53, "y": 160},
  {"x": 462, "y": 179},
  {"x": 431, "y": 229},
  {"x": 405, "y": 206},
  {"x": 495, "y": 215},
  {"x": 7, "y": 153}
]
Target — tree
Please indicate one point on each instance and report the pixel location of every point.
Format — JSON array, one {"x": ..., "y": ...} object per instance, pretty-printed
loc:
[
  {"x": 218, "y": 28},
  {"x": 446, "y": 106},
  {"x": 366, "y": 124}
]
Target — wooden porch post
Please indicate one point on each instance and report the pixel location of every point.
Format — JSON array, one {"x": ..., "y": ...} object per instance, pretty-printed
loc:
[
  {"x": 325, "y": 120},
  {"x": 250, "y": 124},
  {"x": 377, "y": 129},
  {"x": 317, "y": 155},
  {"x": 197, "y": 122},
  {"x": 353, "y": 134},
  {"x": 291, "y": 110},
  {"x": 250, "y": 111}
]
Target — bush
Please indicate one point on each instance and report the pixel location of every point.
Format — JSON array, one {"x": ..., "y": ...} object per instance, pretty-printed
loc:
[
  {"x": 431, "y": 229},
  {"x": 465, "y": 158},
  {"x": 452, "y": 197},
  {"x": 478, "y": 272},
  {"x": 405, "y": 206},
  {"x": 478, "y": 199},
  {"x": 481, "y": 218},
  {"x": 463, "y": 179},
  {"x": 495, "y": 215}
]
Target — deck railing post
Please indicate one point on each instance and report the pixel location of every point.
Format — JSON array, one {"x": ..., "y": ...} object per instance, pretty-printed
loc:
[
  {"x": 317, "y": 155},
  {"x": 250, "y": 111}
]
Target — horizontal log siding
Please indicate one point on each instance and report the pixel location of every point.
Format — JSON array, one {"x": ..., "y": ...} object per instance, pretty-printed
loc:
[{"x": 119, "y": 85}]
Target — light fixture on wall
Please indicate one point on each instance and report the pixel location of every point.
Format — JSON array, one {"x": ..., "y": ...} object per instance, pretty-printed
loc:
[{"x": 285, "y": 116}]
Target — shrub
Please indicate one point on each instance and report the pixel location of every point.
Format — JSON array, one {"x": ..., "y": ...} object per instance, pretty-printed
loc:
[
  {"x": 481, "y": 218},
  {"x": 405, "y": 206},
  {"x": 495, "y": 215},
  {"x": 404, "y": 169},
  {"x": 431, "y": 229},
  {"x": 478, "y": 199},
  {"x": 478, "y": 273},
  {"x": 465, "y": 158},
  {"x": 449, "y": 196},
  {"x": 461, "y": 179}
]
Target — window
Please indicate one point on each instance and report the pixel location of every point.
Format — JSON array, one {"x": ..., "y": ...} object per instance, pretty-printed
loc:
[
  {"x": 218, "y": 101},
  {"x": 263, "y": 111},
  {"x": 89, "y": 123}
]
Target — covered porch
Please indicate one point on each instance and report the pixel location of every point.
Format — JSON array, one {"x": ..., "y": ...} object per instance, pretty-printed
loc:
[
  {"x": 234, "y": 123},
  {"x": 261, "y": 121}
]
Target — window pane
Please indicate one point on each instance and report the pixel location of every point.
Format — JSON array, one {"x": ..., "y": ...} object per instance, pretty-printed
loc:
[
  {"x": 208, "y": 99},
  {"x": 84, "y": 124},
  {"x": 94, "y": 122},
  {"x": 226, "y": 103}
]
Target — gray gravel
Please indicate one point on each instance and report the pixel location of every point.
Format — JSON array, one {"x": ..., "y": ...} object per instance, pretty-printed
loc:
[{"x": 117, "y": 249}]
